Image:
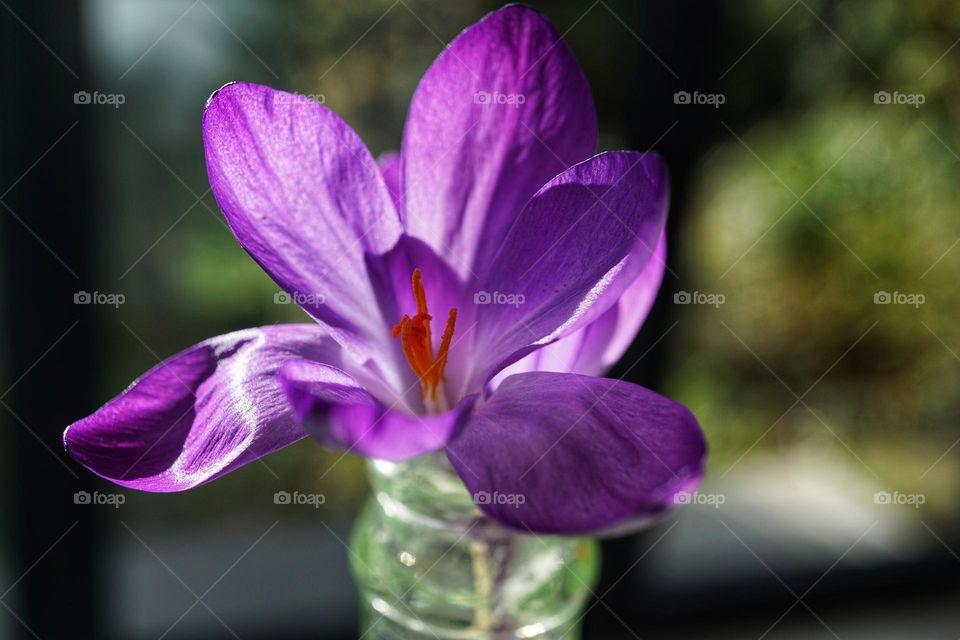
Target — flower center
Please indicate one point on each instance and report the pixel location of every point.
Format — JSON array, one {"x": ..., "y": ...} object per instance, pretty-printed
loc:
[{"x": 417, "y": 343}]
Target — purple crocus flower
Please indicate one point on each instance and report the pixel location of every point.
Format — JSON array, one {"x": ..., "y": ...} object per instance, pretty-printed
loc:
[{"x": 541, "y": 258}]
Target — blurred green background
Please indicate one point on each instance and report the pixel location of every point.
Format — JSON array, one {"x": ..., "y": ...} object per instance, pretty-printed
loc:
[{"x": 805, "y": 216}]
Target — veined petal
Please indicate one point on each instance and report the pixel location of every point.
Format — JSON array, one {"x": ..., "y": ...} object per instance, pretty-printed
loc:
[
  {"x": 579, "y": 243},
  {"x": 389, "y": 164},
  {"x": 632, "y": 309},
  {"x": 592, "y": 350},
  {"x": 339, "y": 412},
  {"x": 201, "y": 413},
  {"x": 503, "y": 109},
  {"x": 306, "y": 200},
  {"x": 569, "y": 454}
]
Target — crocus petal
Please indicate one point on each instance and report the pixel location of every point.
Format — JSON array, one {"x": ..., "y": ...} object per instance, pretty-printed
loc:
[
  {"x": 632, "y": 309},
  {"x": 577, "y": 353},
  {"x": 566, "y": 454},
  {"x": 503, "y": 109},
  {"x": 594, "y": 349},
  {"x": 200, "y": 414},
  {"x": 576, "y": 247},
  {"x": 339, "y": 412},
  {"x": 389, "y": 164},
  {"x": 306, "y": 200}
]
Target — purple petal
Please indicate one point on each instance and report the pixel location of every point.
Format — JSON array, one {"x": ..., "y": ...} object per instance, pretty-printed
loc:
[
  {"x": 339, "y": 412},
  {"x": 632, "y": 309},
  {"x": 470, "y": 162},
  {"x": 575, "y": 248},
  {"x": 566, "y": 454},
  {"x": 201, "y": 413},
  {"x": 306, "y": 200},
  {"x": 591, "y": 351},
  {"x": 389, "y": 164}
]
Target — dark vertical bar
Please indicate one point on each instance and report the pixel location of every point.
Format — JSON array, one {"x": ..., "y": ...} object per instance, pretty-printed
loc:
[
  {"x": 688, "y": 44},
  {"x": 45, "y": 231},
  {"x": 678, "y": 46}
]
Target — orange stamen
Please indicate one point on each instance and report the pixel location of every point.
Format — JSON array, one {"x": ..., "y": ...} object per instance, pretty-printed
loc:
[
  {"x": 445, "y": 341},
  {"x": 420, "y": 295},
  {"x": 417, "y": 342},
  {"x": 407, "y": 344}
]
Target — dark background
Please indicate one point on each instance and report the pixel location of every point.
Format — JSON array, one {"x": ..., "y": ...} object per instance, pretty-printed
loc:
[{"x": 799, "y": 199}]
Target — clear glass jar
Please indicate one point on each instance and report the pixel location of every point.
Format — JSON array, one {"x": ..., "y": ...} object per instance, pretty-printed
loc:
[{"x": 429, "y": 564}]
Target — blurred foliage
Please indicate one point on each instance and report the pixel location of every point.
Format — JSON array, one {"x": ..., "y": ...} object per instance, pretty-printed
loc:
[
  {"x": 879, "y": 191},
  {"x": 366, "y": 59}
]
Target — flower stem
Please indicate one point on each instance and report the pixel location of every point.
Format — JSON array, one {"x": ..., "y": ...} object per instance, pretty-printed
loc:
[{"x": 482, "y": 584}]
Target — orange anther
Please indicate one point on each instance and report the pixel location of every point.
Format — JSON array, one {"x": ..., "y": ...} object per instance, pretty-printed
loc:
[{"x": 417, "y": 342}]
